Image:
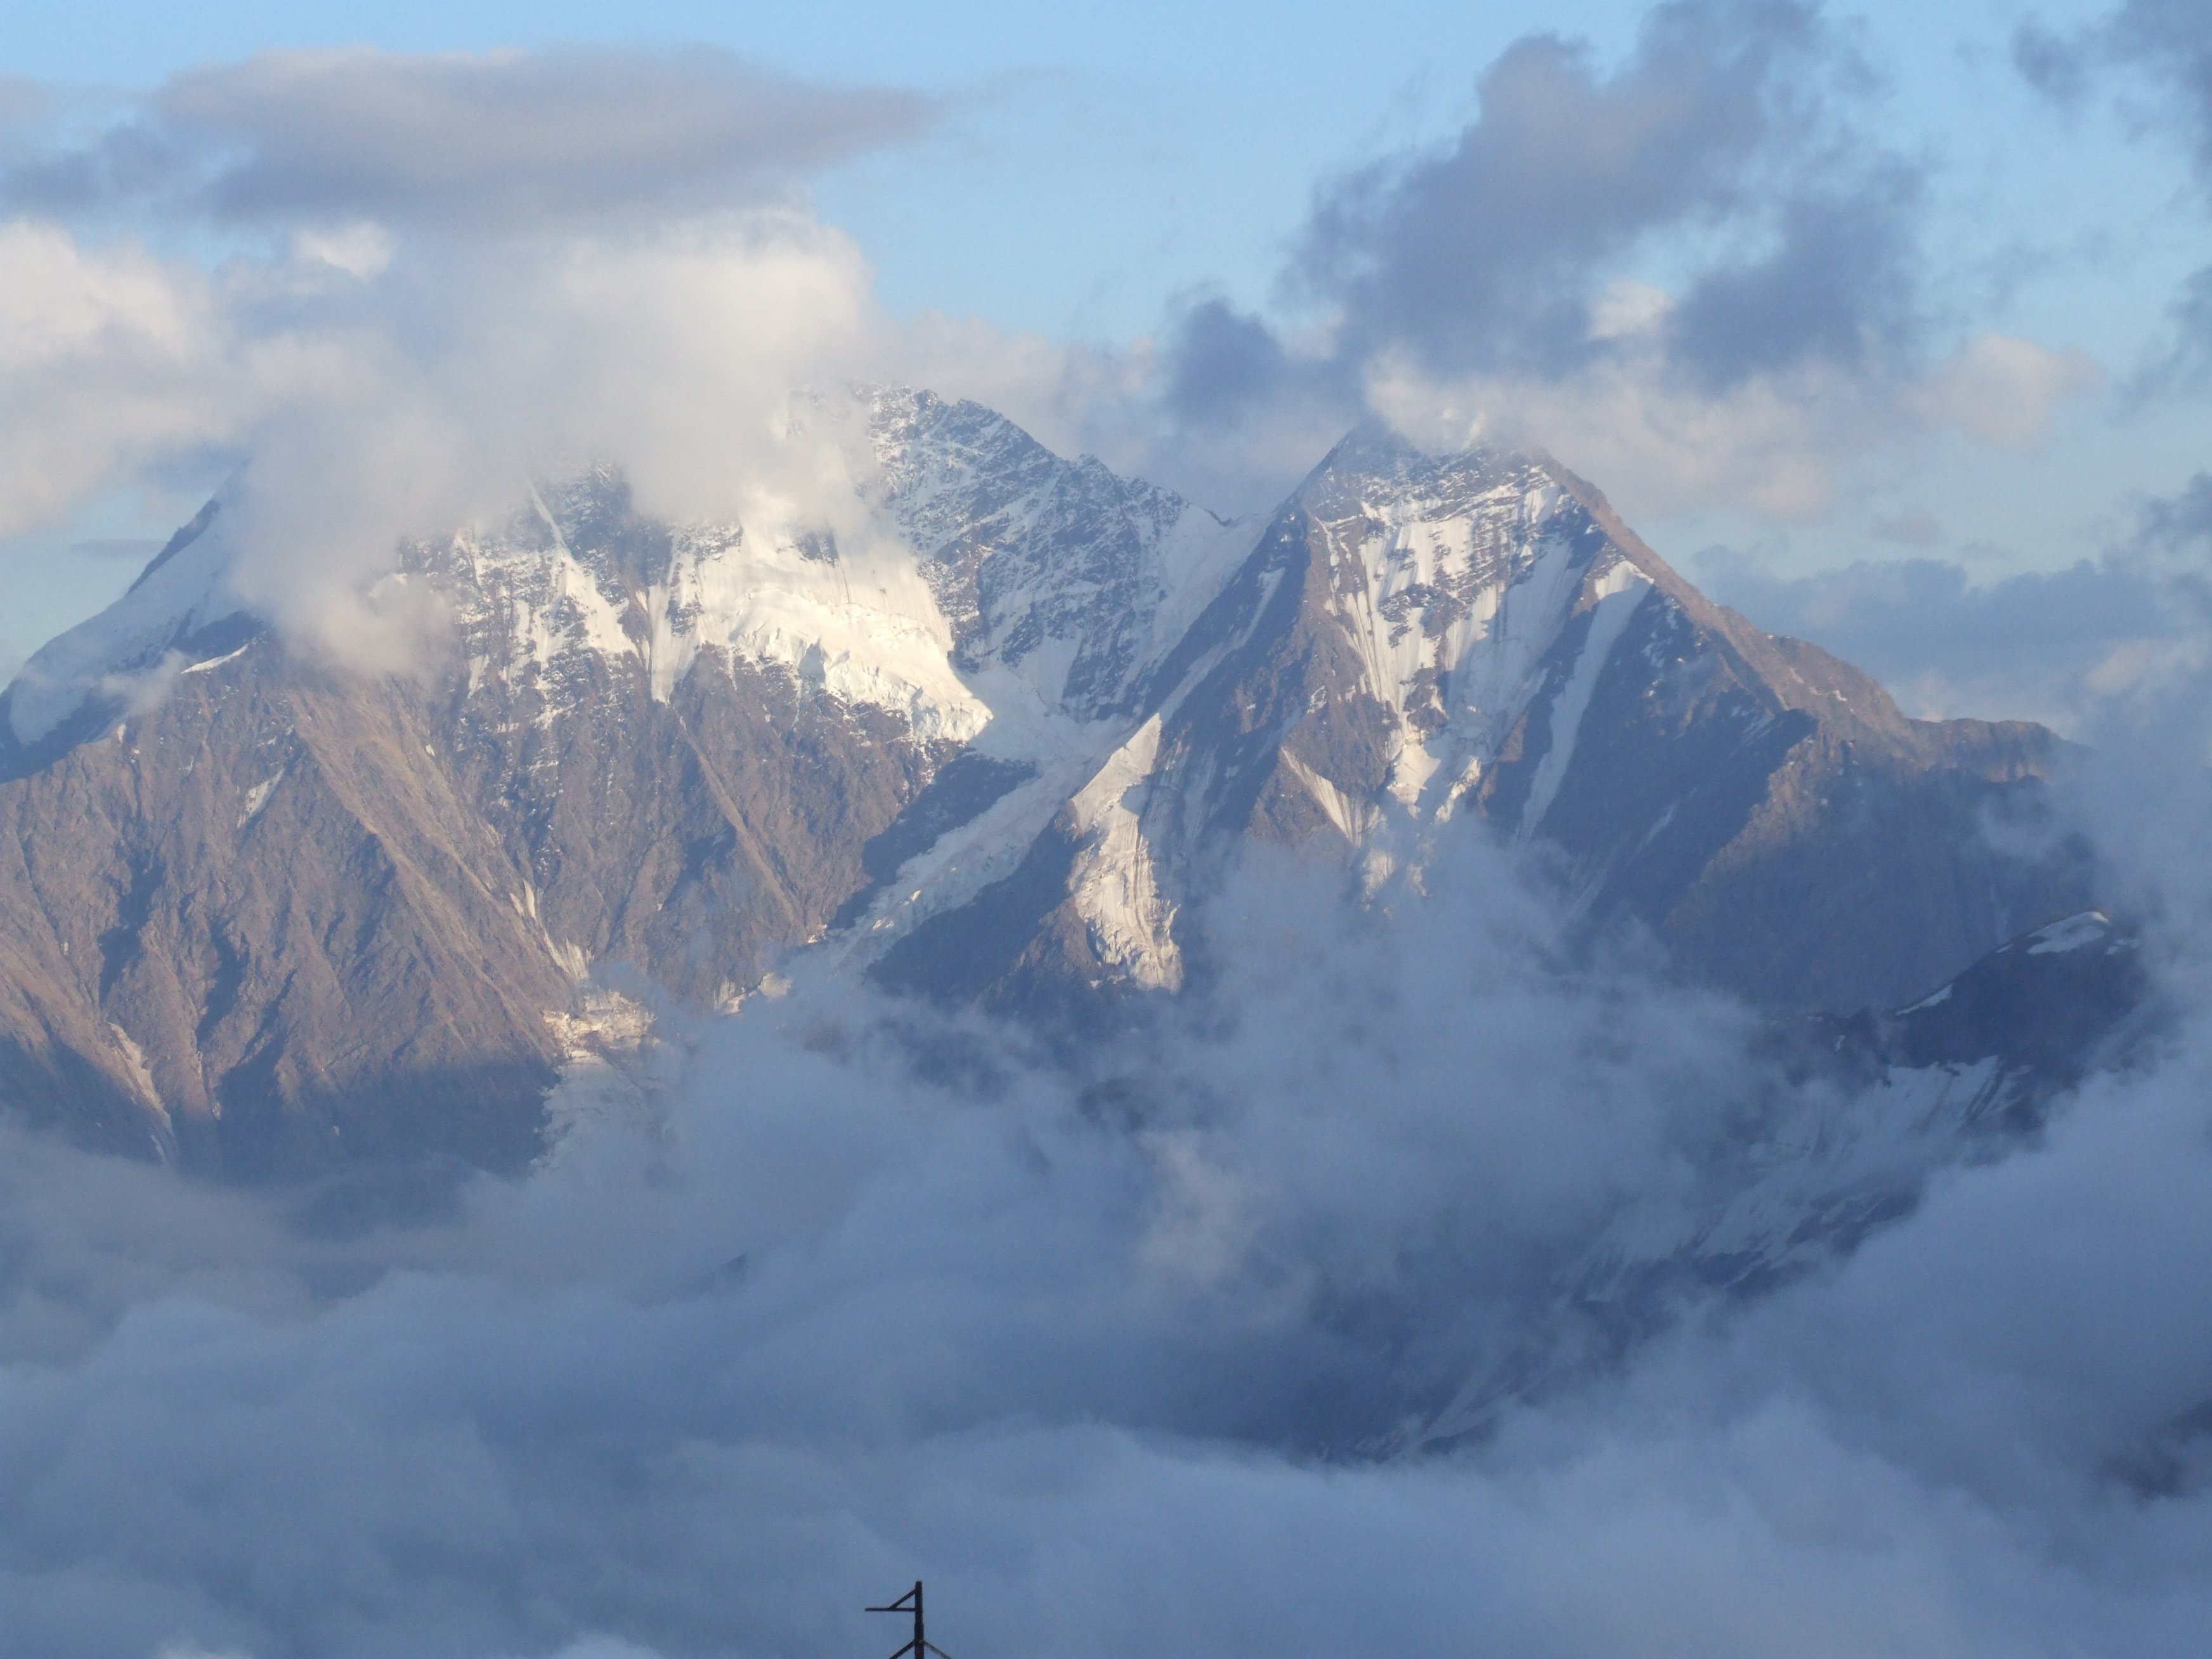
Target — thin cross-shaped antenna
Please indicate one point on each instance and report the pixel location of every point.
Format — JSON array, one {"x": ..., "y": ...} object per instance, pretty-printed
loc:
[{"x": 921, "y": 1646}]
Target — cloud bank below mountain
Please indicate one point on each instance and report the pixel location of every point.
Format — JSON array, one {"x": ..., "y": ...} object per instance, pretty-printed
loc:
[{"x": 1107, "y": 1362}]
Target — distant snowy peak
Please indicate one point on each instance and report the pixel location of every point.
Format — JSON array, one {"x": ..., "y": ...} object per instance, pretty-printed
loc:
[
  {"x": 997, "y": 584},
  {"x": 1415, "y": 638},
  {"x": 995, "y": 581},
  {"x": 578, "y": 583},
  {"x": 1062, "y": 572},
  {"x": 986, "y": 722},
  {"x": 182, "y": 613}
]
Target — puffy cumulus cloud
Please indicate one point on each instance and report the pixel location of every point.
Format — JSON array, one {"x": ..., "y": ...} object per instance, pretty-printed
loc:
[
  {"x": 468, "y": 269},
  {"x": 109, "y": 358},
  {"x": 457, "y": 379},
  {"x": 1699, "y": 270},
  {"x": 1483, "y": 255},
  {"x": 466, "y": 142},
  {"x": 2074, "y": 648},
  {"x": 1116, "y": 1363},
  {"x": 2001, "y": 388},
  {"x": 386, "y": 390}
]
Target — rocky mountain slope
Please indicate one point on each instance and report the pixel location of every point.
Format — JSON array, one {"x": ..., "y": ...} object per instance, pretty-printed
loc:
[
  {"x": 993, "y": 736},
  {"x": 1418, "y": 639}
]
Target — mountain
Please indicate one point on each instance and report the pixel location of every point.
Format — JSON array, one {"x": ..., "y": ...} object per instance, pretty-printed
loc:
[
  {"x": 990, "y": 730},
  {"x": 1874, "y": 1105},
  {"x": 1418, "y": 639}
]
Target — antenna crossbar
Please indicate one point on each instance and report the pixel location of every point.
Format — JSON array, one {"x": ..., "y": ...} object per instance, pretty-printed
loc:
[{"x": 919, "y": 1646}]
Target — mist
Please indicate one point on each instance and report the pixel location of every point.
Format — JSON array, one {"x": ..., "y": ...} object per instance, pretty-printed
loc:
[{"x": 1128, "y": 1360}]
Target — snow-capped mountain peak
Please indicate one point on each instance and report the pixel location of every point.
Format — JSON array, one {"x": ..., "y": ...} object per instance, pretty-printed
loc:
[
  {"x": 980, "y": 720},
  {"x": 183, "y": 610}
]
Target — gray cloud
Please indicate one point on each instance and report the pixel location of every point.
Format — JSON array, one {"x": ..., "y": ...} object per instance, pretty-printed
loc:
[
  {"x": 2055, "y": 646},
  {"x": 1839, "y": 287},
  {"x": 1221, "y": 360},
  {"x": 1722, "y": 131},
  {"x": 1914, "y": 527},
  {"x": 497, "y": 140},
  {"x": 2168, "y": 40},
  {"x": 2179, "y": 523},
  {"x": 21, "y": 100},
  {"x": 2027, "y": 647}
]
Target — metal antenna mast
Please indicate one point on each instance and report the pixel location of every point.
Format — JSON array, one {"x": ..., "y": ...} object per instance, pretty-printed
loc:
[{"x": 922, "y": 1646}]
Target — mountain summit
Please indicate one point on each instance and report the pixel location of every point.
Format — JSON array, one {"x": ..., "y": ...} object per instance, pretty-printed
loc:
[
  {"x": 263, "y": 916},
  {"x": 1416, "y": 639}
]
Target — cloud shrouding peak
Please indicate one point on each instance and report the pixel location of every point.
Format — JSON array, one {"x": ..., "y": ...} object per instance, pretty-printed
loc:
[{"x": 497, "y": 140}]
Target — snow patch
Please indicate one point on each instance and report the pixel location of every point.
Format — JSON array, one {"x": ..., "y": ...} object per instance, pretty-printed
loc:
[
  {"x": 213, "y": 663},
  {"x": 1453, "y": 588},
  {"x": 132, "y": 645},
  {"x": 258, "y": 797},
  {"x": 1353, "y": 818},
  {"x": 611, "y": 1065},
  {"x": 2090, "y": 927},
  {"x": 134, "y": 1063},
  {"x": 1114, "y": 886}
]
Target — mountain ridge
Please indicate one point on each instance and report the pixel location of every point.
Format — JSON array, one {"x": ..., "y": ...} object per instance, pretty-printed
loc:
[
  {"x": 1375, "y": 670},
  {"x": 991, "y": 735}
]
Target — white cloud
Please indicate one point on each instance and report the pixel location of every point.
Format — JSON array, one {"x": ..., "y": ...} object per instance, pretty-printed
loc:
[
  {"x": 109, "y": 359},
  {"x": 2002, "y": 389},
  {"x": 382, "y": 390},
  {"x": 1774, "y": 443}
]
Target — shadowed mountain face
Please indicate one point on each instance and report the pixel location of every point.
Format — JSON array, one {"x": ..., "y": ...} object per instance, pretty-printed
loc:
[{"x": 263, "y": 916}]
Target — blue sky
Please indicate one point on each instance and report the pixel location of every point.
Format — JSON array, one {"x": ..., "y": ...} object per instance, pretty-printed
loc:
[
  {"x": 1104, "y": 158},
  {"x": 1092, "y": 174}
]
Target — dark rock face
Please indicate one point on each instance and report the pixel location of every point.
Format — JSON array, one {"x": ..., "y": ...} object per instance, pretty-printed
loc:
[
  {"x": 263, "y": 917},
  {"x": 2046, "y": 1008},
  {"x": 1021, "y": 549},
  {"x": 233, "y": 917}
]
